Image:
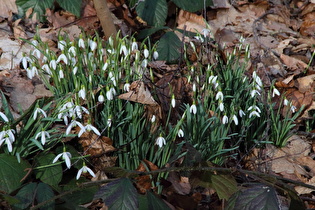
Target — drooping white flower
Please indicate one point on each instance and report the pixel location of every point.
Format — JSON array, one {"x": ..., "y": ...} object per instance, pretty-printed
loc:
[
  {"x": 78, "y": 111},
  {"x": 146, "y": 53},
  {"x": 234, "y": 118},
  {"x": 73, "y": 124},
  {"x": 254, "y": 107},
  {"x": 225, "y": 119},
  {"x": 63, "y": 58},
  {"x": 173, "y": 102},
  {"x": 37, "y": 53},
  {"x": 293, "y": 108},
  {"x": 285, "y": 102},
  {"x": 254, "y": 92},
  {"x": 4, "y": 117},
  {"x": 72, "y": 50},
  {"x": 61, "y": 75},
  {"x": 275, "y": 92},
  {"x": 84, "y": 169},
  {"x": 62, "y": 44},
  {"x": 193, "y": 109},
  {"x": 25, "y": 60},
  {"x": 53, "y": 64},
  {"x": 39, "y": 110},
  {"x": 254, "y": 113},
  {"x": 241, "y": 113},
  {"x": 126, "y": 87},
  {"x": 109, "y": 122},
  {"x": 221, "y": 106},
  {"x": 65, "y": 156},
  {"x": 46, "y": 68},
  {"x": 89, "y": 128},
  {"x": 144, "y": 63},
  {"x": 8, "y": 142},
  {"x": 105, "y": 66},
  {"x": 155, "y": 55},
  {"x": 81, "y": 43},
  {"x": 180, "y": 133},
  {"x": 205, "y": 32},
  {"x": 134, "y": 46},
  {"x": 219, "y": 96},
  {"x": 82, "y": 93},
  {"x": 123, "y": 49},
  {"x": 43, "y": 134},
  {"x": 110, "y": 94},
  {"x": 112, "y": 78},
  {"x": 92, "y": 45},
  {"x": 160, "y": 141},
  {"x": 194, "y": 87},
  {"x": 153, "y": 118},
  {"x": 101, "y": 98}
]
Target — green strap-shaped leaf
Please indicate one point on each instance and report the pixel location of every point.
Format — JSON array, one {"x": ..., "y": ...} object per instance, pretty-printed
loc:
[
  {"x": 72, "y": 6},
  {"x": 153, "y": 12},
  {"x": 169, "y": 47},
  {"x": 257, "y": 197},
  {"x": 192, "y": 6},
  {"x": 119, "y": 195},
  {"x": 11, "y": 172},
  {"x": 39, "y": 6}
]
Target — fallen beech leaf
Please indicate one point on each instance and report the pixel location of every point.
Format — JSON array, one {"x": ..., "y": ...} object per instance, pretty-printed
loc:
[
  {"x": 7, "y": 7},
  {"x": 306, "y": 83},
  {"x": 143, "y": 183},
  {"x": 190, "y": 21},
  {"x": 292, "y": 63}
]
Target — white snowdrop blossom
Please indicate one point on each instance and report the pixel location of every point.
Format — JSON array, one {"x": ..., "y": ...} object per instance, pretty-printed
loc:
[
  {"x": 37, "y": 53},
  {"x": 61, "y": 75},
  {"x": 31, "y": 72},
  {"x": 72, "y": 50},
  {"x": 285, "y": 102},
  {"x": 53, "y": 64},
  {"x": 254, "y": 107},
  {"x": 205, "y": 32},
  {"x": 241, "y": 113},
  {"x": 25, "y": 60},
  {"x": 7, "y": 137},
  {"x": 219, "y": 96},
  {"x": 35, "y": 43},
  {"x": 221, "y": 106},
  {"x": 126, "y": 87},
  {"x": 46, "y": 68},
  {"x": 39, "y": 110},
  {"x": 234, "y": 118},
  {"x": 101, "y": 98},
  {"x": 110, "y": 94},
  {"x": 105, "y": 66},
  {"x": 65, "y": 156},
  {"x": 63, "y": 58},
  {"x": 180, "y": 133},
  {"x": 225, "y": 119},
  {"x": 160, "y": 141},
  {"x": 173, "y": 102},
  {"x": 293, "y": 108},
  {"x": 73, "y": 124},
  {"x": 134, "y": 46},
  {"x": 89, "y": 128},
  {"x": 84, "y": 169},
  {"x": 155, "y": 55},
  {"x": 92, "y": 45},
  {"x": 257, "y": 80},
  {"x": 193, "y": 109},
  {"x": 275, "y": 92},
  {"x": 112, "y": 78},
  {"x": 144, "y": 63},
  {"x": 44, "y": 135},
  {"x": 153, "y": 118},
  {"x": 254, "y": 92},
  {"x": 123, "y": 49},
  {"x": 82, "y": 93},
  {"x": 75, "y": 70},
  {"x": 109, "y": 122},
  {"x": 81, "y": 43},
  {"x": 8, "y": 142},
  {"x": 194, "y": 87},
  {"x": 4, "y": 117},
  {"x": 62, "y": 44},
  {"x": 254, "y": 113},
  {"x": 78, "y": 111},
  {"x": 146, "y": 53},
  {"x": 213, "y": 79}
]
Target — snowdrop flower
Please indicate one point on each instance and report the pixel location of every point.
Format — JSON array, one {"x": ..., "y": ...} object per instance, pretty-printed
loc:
[
  {"x": 212, "y": 79},
  {"x": 31, "y": 72},
  {"x": 257, "y": 80},
  {"x": 39, "y": 110},
  {"x": 7, "y": 137},
  {"x": 194, "y": 87},
  {"x": 173, "y": 102},
  {"x": 37, "y": 53},
  {"x": 53, "y": 64},
  {"x": 126, "y": 87},
  {"x": 73, "y": 124},
  {"x": 89, "y": 128},
  {"x": 219, "y": 96},
  {"x": 221, "y": 106},
  {"x": 146, "y": 53},
  {"x": 43, "y": 134},
  {"x": 193, "y": 109},
  {"x": 61, "y": 75},
  {"x": 225, "y": 119},
  {"x": 155, "y": 55},
  {"x": 77, "y": 111},
  {"x": 109, "y": 122},
  {"x": 65, "y": 156},
  {"x": 101, "y": 98},
  {"x": 205, "y": 32},
  {"x": 293, "y": 108},
  {"x": 254, "y": 113},
  {"x": 8, "y": 142},
  {"x": 111, "y": 93},
  {"x": 254, "y": 92},
  {"x": 63, "y": 58},
  {"x": 62, "y": 44},
  {"x": 254, "y": 107},
  {"x": 123, "y": 49},
  {"x": 134, "y": 45},
  {"x": 46, "y": 68},
  {"x": 25, "y": 60},
  {"x": 92, "y": 45},
  {"x": 105, "y": 66},
  {"x": 35, "y": 43},
  {"x": 180, "y": 133},
  {"x": 160, "y": 141},
  {"x": 275, "y": 92},
  {"x": 81, "y": 42},
  {"x": 4, "y": 117},
  {"x": 234, "y": 118},
  {"x": 153, "y": 118},
  {"x": 72, "y": 51},
  {"x": 84, "y": 169},
  {"x": 144, "y": 63},
  {"x": 112, "y": 78},
  {"x": 285, "y": 102},
  {"x": 241, "y": 113},
  {"x": 82, "y": 93},
  {"x": 75, "y": 70}
]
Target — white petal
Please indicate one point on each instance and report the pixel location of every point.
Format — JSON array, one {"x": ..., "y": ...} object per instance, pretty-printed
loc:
[{"x": 79, "y": 173}]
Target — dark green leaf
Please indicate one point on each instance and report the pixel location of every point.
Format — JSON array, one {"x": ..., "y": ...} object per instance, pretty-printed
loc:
[
  {"x": 224, "y": 185},
  {"x": 72, "y": 6},
  {"x": 45, "y": 193},
  {"x": 119, "y": 195},
  {"x": 169, "y": 47},
  {"x": 26, "y": 195},
  {"x": 153, "y": 12},
  {"x": 156, "y": 203},
  {"x": 6, "y": 107},
  {"x": 149, "y": 31},
  {"x": 192, "y": 6},
  {"x": 11, "y": 172},
  {"x": 39, "y": 6},
  {"x": 51, "y": 175},
  {"x": 257, "y": 197}
]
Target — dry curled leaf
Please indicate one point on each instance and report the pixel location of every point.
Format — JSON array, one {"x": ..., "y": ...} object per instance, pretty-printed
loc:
[{"x": 143, "y": 183}]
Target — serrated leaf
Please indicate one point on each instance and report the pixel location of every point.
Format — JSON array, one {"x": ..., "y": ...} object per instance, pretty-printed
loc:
[
  {"x": 39, "y": 6},
  {"x": 51, "y": 175},
  {"x": 154, "y": 12},
  {"x": 45, "y": 193},
  {"x": 257, "y": 197},
  {"x": 11, "y": 172},
  {"x": 72, "y": 6},
  {"x": 224, "y": 185},
  {"x": 192, "y": 6},
  {"x": 169, "y": 47},
  {"x": 119, "y": 195},
  {"x": 26, "y": 195}
]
